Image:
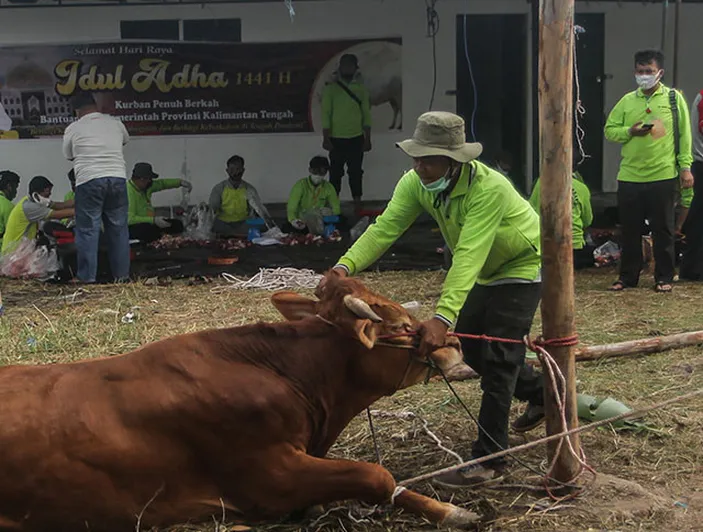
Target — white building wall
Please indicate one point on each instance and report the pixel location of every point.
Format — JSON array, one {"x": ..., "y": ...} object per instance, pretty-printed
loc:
[{"x": 274, "y": 162}]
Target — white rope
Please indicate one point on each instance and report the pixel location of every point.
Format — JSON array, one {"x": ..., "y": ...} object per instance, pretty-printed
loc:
[
  {"x": 559, "y": 390},
  {"x": 271, "y": 279},
  {"x": 396, "y": 492},
  {"x": 425, "y": 426},
  {"x": 579, "y": 109}
]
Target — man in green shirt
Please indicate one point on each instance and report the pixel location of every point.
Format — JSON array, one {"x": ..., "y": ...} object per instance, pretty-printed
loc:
[
  {"x": 582, "y": 218},
  {"x": 346, "y": 126},
  {"x": 313, "y": 194},
  {"x": 9, "y": 181},
  {"x": 650, "y": 170},
  {"x": 493, "y": 286},
  {"x": 144, "y": 225}
]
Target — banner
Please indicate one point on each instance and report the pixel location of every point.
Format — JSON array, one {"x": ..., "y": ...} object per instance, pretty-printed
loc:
[{"x": 191, "y": 88}]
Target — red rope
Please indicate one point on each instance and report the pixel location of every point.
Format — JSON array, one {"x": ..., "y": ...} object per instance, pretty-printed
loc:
[{"x": 532, "y": 344}]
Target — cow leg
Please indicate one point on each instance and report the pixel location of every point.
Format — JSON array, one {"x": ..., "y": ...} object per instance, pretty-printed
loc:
[
  {"x": 323, "y": 481},
  {"x": 6, "y": 525},
  {"x": 396, "y": 112}
]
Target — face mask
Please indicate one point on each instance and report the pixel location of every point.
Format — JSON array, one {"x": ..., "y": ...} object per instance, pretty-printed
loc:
[
  {"x": 440, "y": 185},
  {"x": 647, "y": 81},
  {"x": 316, "y": 179}
]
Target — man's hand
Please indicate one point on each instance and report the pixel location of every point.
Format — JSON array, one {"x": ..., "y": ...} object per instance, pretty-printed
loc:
[
  {"x": 187, "y": 185},
  {"x": 367, "y": 144},
  {"x": 334, "y": 272},
  {"x": 638, "y": 131},
  {"x": 686, "y": 178},
  {"x": 327, "y": 144},
  {"x": 433, "y": 335}
]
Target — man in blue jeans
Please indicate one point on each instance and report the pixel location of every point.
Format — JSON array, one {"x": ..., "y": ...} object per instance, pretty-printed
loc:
[{"x": 94, "y": 143}]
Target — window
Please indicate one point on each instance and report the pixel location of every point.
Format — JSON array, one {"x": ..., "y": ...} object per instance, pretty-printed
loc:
[
  {"x": 153, "y": 30},
  {"x": 194, "y": 30},
  {"x": 213, "y": 29}
]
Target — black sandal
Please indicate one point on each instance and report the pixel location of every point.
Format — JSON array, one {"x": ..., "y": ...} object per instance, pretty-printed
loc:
[
  {"x": 617, "y": 286},
  {"x": 663, "y": 288}
]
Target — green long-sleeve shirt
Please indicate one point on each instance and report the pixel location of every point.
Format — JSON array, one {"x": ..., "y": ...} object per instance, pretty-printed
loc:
[
  {"x": 581, "y": 210},
  {"x": 647, "y": 159},
  {"x": 344, "y": 117},
  {"x": 492, "y": 231},
  {"x": 140, "y": 209},
  {"x": 305, "y": 196},
  {"x": 6, "y": 207}
]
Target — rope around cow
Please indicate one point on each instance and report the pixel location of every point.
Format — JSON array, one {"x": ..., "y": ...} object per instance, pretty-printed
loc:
[{"x": 556, "y": 377}]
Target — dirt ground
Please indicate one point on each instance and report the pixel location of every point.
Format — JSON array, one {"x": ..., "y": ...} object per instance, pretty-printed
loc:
[{"x": 647, "y": 480}]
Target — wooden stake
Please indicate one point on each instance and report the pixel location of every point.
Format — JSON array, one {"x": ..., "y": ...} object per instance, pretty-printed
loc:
[
  {"x": 621, "y": 349},
  {"x": 556, "y": 46}
]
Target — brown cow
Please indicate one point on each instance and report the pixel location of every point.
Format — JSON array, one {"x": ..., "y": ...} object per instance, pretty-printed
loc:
[{"x": 236, "y": 420}]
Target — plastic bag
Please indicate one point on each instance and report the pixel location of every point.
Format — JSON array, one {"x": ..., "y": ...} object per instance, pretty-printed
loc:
[
  {"x": 185, "y": 199},
  {"x": 606, "y": 254},
  {"x": 359, "y": 228},
  {"x": 30, "y": 261},
  {"x": 314, "y": 222},
  {"x": 199, "y": 223}
]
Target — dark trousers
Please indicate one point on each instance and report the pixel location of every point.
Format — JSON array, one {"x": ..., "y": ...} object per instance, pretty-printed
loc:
[
  {"x": 583, "y": 258},
  {"x": 102, "y": 200},
  {"x": 505, "y": 311},
  {"x": 655, "y": 202},
  {"x": 692, "y": 263},
  {"x": 349, "y": 152},
  {"x": 150, "y": 232}
]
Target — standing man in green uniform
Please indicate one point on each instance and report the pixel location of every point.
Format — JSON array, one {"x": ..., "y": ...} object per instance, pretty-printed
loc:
[
  {"x": 650, "y": 171},
  {"x": 582, "y": 218},
  {"x": 346, "y": 127},
  {"x": 9, "y": 181},
  {"x": 312, "y": 193},
  {"x": 233, "y": 199},
  {"x": 494, "y": 284},
  {"x": 143, "y": 224}
]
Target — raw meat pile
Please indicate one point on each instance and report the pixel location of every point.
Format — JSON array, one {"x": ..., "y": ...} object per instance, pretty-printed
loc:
[
  {"x": 178, "y": 242},
  {"x": 168, "y": 242},
  {"x": 310, "y": 239}
]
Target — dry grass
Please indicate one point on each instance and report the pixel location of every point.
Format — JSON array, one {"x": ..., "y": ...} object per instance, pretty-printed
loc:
[{"x": 49, "y": 324}]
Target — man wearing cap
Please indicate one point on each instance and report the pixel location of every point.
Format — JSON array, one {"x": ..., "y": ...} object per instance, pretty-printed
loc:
[
  {"x": 9, "y": 181},
  {"x": 493, "y": 286},
  {"x": 346, "y": 126},
  {"x": 143, "y": 224}
]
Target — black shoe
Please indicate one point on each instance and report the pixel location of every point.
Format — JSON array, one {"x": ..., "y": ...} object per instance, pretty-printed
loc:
[{"x": 531, "y": 418}]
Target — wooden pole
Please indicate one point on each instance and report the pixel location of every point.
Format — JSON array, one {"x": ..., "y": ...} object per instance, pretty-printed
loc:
[
  {"x": 621, "y": 349},
  {"x": 665, "y": 10},
  {"x": 677, "y": 15},
  {"x": 556, "y": 46}
]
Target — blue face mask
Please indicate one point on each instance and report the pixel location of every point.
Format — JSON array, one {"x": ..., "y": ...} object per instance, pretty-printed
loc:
[{"x": 440, "y": 185}]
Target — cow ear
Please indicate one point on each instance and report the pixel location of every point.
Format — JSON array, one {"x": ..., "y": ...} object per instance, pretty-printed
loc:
[
  {"x": 365, "y": 331},
  {"x": 293, "y": 306}
]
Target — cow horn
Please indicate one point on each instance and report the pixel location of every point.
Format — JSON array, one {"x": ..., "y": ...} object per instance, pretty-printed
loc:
[{"x": 361, "y": 308}]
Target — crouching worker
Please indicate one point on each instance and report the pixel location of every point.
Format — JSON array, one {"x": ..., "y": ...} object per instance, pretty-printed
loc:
[
  {"x": 312, "y": 197},
  {"x": 143, "y": 224},
  {"x": 32, "y": 210},
  {"x": 234, "y": 200},
  {"x": 581, "y": 214},
  {"x": 493, "y": 286}
]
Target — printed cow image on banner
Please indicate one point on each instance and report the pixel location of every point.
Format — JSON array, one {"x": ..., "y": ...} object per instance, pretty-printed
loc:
[{"x": 193, "y": 88}]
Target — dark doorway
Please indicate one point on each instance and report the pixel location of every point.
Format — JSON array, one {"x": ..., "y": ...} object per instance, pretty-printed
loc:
[
  {"x": 590, "y": 55},
  {"x": 492, "y": 86}
]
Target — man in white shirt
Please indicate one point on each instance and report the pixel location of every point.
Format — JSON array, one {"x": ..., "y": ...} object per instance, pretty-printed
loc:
[{"x": 94, "y": 143}]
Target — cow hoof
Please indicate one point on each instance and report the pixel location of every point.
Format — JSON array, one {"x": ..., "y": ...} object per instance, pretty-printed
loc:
[{"x": 459, "y": 517}]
